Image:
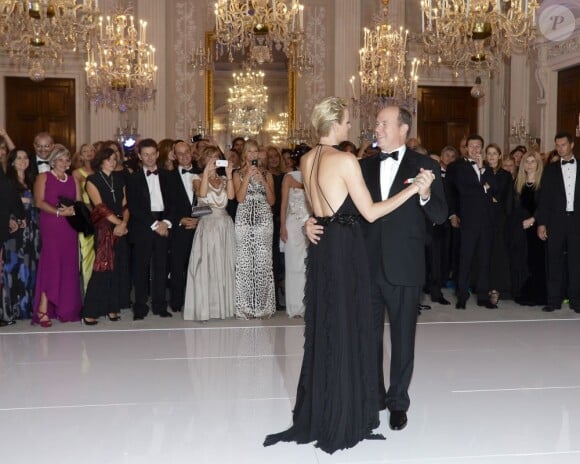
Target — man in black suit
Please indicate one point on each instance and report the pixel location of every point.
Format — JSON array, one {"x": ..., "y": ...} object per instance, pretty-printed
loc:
[
  {"x": 558, "y": 218},
  {"x": 11, "y": 216},
  {"x": 182, "y": 198},
  {"x": 149, "y": 225},
  {"x": 43, "y": 145},
  {"x": 396, "y": 251},
  {"x": 471, "y": 187}
]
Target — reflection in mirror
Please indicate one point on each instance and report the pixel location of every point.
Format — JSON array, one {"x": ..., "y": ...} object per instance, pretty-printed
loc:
[{"x": 280, "y": 107}]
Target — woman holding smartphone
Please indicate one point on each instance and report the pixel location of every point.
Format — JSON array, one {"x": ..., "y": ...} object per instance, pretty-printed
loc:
[
  {"x": 254, "y": 186},
  {"x": 209, "y": 292}
]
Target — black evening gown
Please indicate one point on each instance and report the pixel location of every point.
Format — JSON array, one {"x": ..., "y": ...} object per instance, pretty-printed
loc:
[
  {"x": 531, "y": 261},
  {"x": 337, "y": 396}
]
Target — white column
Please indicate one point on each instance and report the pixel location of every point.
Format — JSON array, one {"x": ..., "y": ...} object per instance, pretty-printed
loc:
[
  {"x": 347, "y": 42},
  {"x": 152, "y": 119}
]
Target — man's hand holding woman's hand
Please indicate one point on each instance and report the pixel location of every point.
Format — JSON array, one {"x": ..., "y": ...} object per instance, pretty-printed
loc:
[{"x": 313, "y": 230}]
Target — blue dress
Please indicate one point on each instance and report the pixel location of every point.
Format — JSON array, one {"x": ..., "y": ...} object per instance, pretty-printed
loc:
[{"x": 21, "y": 252}]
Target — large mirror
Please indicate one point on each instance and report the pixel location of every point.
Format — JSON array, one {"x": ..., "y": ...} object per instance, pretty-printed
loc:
[{"x": 281, "y": 89}]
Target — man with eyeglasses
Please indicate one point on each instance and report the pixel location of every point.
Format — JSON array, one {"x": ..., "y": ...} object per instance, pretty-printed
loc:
[{"x": 43, "y": 145}]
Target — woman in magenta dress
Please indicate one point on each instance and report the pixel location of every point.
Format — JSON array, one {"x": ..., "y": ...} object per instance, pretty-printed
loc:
[{"x": 57, "y": 293}]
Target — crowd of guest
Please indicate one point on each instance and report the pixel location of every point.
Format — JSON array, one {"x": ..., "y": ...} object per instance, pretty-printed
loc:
[{"x": 182, "y": 227}]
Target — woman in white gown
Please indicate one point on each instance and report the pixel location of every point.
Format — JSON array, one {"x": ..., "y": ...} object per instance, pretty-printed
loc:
[
  {"x": 209, "y": 292},
  {"x": 294, "y": 212}
]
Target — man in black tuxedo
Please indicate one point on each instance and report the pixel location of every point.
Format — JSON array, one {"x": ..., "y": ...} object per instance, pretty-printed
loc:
[
  {"x": 43, "y": 145},
  {"x": 396, "y": 251},
  {"x": 182, "y": 198},
  {"x": 11, "y": 216},
  {"x": 558, "y": 218},
  {"x": 471, "y": 187},
  {"x": 149, "y": 225}
]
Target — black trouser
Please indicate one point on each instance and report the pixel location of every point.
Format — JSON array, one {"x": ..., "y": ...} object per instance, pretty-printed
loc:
[
  {"x": 474, "y": 240},
  {"x": 180, "y": 242}
]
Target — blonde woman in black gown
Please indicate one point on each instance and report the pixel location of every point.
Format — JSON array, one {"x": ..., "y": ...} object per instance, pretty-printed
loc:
[{"x": 337, "y": 399}]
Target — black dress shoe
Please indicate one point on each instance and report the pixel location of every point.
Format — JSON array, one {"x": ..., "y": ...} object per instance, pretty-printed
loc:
[
  {"x": 138, "y": 317},
  {"x": 165, "y": 314},
  {"x": 487, "y": 304},
  {"x": 549, "y": 308},
  {"x": 398, "y": 420},
  {"x": 441, "y": 300},
  {"x": 460, "y": 304}
]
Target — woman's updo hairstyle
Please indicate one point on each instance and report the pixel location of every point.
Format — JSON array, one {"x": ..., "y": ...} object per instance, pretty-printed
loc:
[{"x": 326, "y": 113}]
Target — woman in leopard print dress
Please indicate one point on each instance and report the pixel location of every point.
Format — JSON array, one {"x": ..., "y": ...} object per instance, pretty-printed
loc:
[{"x": 254, "y": 185}]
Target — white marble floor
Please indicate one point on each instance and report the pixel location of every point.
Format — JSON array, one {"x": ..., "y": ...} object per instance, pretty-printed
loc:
[{"x": 498, "y": 387}]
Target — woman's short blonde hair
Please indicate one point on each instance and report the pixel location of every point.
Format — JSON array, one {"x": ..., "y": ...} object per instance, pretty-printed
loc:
[
  {"x": 326, "y": 113},
  {"x": 57, "y": 152}
]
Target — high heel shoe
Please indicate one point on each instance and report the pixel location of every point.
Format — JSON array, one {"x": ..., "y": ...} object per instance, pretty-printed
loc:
[
  {"x": 85, "y": 321},
  {"x": 113, "y": 317},
  {"x": 42, "y": 320}
]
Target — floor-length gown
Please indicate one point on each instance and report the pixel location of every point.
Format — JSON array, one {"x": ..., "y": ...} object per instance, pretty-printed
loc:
[
  {"x": 254, "y": 294},
  {"x": 337, "y": 395},
  {"x": 106, "y": 288},
  {"x": 58, "y": 265},
  {"x": 209, "y": 292},
  {"x": 295, "y": 248},
  {"x": 531, "y": 264},
  {"x": 21, "y": 252},
  {"x": 86, "y": 242}
]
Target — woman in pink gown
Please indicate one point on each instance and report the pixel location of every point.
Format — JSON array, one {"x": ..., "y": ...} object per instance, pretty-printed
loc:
[{"x": 57, "y": 292}]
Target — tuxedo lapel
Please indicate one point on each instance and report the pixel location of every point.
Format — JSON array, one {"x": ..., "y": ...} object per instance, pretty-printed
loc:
[{"x": 407, "y": 169}]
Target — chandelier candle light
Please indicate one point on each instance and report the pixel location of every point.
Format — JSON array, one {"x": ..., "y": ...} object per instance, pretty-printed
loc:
[
  {"x": 475, "y": 35},
  {"x": 37, "y": 32},
  {"x": 121, "y": 70},
  {"x": 248, "y": 103},
  {"x": 253, "y": 26}
]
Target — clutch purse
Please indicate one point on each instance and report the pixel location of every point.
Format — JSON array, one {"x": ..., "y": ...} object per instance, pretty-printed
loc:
[
  {"x": 81, "y": 221},
  {"x": 200, "y": 211}
]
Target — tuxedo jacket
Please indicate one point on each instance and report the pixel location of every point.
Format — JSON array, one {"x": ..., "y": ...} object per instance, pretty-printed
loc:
[
  {"x": 396, "y": 242},
  {"x": 10, "y": 205},
  {"x": 466, "y": 196},
  {"x": 551, "y": 209},
  {"x": 180, "y": 204},
  {"x": 139, "y": 204}
]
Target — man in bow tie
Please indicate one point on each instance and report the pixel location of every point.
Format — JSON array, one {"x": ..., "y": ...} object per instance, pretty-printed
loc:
[
  {"x": 43, "y": 145},
  {"x": 396, "y": 251},
  {"x": 149, "y": 225},
  {"x": 471, "y": 188},
  {"x": 182, "y": 198},
  {"x": 558, "y": 219}
]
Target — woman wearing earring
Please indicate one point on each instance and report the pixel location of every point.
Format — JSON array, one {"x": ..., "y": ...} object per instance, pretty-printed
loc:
[
  {"x": 57, "y": 292},
  {"x": 22, "y": 249},
  {"x": 110, "y": 278},
  {"x": 86, "y": 242}
]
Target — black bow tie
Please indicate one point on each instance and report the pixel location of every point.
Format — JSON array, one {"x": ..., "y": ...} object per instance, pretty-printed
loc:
[
  {"x": 39, "y": 162},
  {"x": 152, "y": 172},
  {"x": 472, "y": 162},
  {"x": 568, "y": 162},
  {"x": 185, "y": 171},
  {"x": 394, "y": 154}
]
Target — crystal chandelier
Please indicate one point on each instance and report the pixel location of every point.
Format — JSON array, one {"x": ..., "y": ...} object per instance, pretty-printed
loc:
[
  {"x": 385, "y": 76},
  {"x": 278, "y": 129},
  {"x": 247, "y": 103},
  {"x": 37, "y": 32},
  {"x": 253, "y": 26},
  {"x": 121, "y": 70},
  {"x": 475, "y": 35}
]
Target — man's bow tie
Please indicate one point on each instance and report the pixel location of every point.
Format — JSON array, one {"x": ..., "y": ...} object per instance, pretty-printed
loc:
[
  {"x": 472, "y": 162},
  {"x": 568, "y": 162},
  {"x": 394, "y": 154},
  {"x": 39, "y": 162},
  {"x": 152, "y": 172},
  {"x": 185, "y": 171}
]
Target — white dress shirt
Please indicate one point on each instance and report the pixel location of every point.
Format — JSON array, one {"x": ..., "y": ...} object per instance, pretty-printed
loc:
[
  {"x": 42, "y": 165},
  {"x": 389, "y": 168},
  {"x": 187, "y": 179},
  {"x": 569, "y": 175},
  {"x": 157, "y": 205}
]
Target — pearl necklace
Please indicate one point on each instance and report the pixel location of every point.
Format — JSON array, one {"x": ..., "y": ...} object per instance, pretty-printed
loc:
[{"x": 58, "y": 178}]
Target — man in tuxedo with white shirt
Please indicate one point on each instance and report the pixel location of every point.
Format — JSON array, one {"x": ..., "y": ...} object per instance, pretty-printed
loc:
[
  {"x": 182, "y": 198},
  {"x": 149, "y": 225},
  {"x": 43, "y": 145},
  {"x": 470, "y": 192},
  {"x": 558, "y": 219}
]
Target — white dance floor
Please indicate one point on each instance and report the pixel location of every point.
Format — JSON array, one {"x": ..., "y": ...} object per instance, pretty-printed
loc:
[{"x": 498, "y": 387}]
